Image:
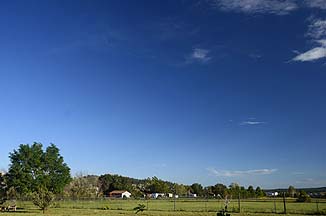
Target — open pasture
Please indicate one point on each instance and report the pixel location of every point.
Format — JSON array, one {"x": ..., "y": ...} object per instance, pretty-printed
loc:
[{"x": 168, "y": 207}]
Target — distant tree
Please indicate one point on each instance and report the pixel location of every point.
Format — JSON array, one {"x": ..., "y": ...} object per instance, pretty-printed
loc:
[
  {"x": 243, "y": 192},
  {"x": 83, "y": 186},
  {"x": 259, "y": 192},
  {"x": 157, "y": 185},
  {"x": 251, "y": 191},
  {"x": 180, "y": 189},
  {"x": 106, "y": 183},
  {"x": 32, "y": 168},
  {"x": 291, "y": 191},
  {"x": 136, "y": 193},
  {"x": 208, "y": 191},
  {"x": 220, "y": 189},
  {"x": 303, "y": 197},
  {"x": 234, "y": 190},
  {"x": 197, "y": 188},
  {"x": 137, "y": 187}
]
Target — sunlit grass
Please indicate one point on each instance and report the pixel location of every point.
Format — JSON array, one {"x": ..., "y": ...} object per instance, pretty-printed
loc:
[{"x": 167, "y": 207}]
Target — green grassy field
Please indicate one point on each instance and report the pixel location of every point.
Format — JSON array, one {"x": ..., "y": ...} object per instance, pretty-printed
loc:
[{"x": 166, "y": 207}]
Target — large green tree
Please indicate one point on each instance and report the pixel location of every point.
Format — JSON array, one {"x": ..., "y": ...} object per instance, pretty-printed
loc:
[{"x": 32, "y": 168}]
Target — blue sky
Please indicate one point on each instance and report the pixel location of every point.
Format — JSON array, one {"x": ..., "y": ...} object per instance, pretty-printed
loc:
[{"x": 190, "y": 91}]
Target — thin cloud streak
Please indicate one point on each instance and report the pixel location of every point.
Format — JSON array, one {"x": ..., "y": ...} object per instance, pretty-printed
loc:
[
  {"x": 252, "y": 123},
  {"x": 297, "y": 173},
  {"x": 321, "y": 4},
  {"x": 229, "y": 173},
  {"x": 311, "y": 55},
  {"x": 276, "y": 7}
]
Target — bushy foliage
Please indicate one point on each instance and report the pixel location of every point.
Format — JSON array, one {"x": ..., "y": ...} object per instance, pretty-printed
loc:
[
  {"x": 303, "y": 197},
  {"x": 83, "y": 186},
  {"x": 43, "y": 198}
]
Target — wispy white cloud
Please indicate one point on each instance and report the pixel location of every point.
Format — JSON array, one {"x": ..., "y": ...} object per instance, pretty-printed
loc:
[
  {"x": 297, "y": 173},
  {"x": 252, "y": 123},
  {"x": 312, "y": 55},
  {"x": 317, "y": 34},
  {"x": 231, "y": 173},
  {"x": 277, "y": 7},
  {"x": 201, "y": 55},
  {"x": 317, "y": 29},
  {"x": 316, "y": 3}
]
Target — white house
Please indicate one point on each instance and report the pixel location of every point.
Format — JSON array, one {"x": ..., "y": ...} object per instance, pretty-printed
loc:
[
  {"x": 192, "y": 195},
  {"x": 170, "y": 195},
  {"x": 272, "y": 194},
  {"x": 157, "y": 195},
  {"x": 120, "y": 194}
]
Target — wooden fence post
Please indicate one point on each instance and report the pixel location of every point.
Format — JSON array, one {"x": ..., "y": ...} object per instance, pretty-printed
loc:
[{"x": 284, "y": 203}]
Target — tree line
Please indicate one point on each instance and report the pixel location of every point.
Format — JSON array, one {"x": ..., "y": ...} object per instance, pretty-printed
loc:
[
  {"x": 139, "y": 188},
  {"x": 33, "y": 170},
  {"x": 43, "y": 174}
]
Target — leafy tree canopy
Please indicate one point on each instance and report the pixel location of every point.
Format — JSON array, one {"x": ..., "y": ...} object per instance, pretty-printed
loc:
[
  {"x": 32, "y": 168},
  {"x": 197, "y": 188}
]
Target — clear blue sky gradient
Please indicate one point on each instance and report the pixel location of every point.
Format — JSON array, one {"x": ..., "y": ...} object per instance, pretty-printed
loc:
[{"x": 117, "y": 87}]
